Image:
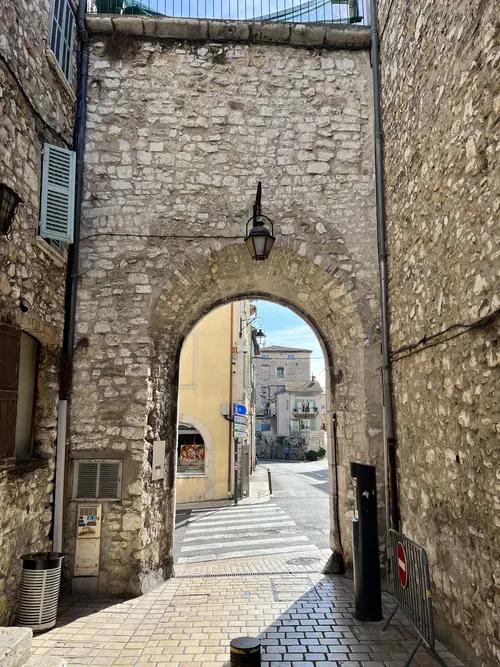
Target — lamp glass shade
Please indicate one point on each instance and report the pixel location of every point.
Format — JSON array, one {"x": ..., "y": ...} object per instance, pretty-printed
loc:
[
  {"x": 259, "y": 242},
  {"x": 8, "y": 204}
]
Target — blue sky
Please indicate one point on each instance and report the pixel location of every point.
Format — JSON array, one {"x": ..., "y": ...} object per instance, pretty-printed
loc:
[{"x": 284, "y": 327}]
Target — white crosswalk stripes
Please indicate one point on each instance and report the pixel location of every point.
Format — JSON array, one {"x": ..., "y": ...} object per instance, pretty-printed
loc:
[{"x": 247, "y": 530}]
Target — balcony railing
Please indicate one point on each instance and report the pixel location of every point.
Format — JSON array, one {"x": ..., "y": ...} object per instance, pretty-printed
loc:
[
  {"x": 292, "y": 11},
  {"x": 304, "y": 413}
]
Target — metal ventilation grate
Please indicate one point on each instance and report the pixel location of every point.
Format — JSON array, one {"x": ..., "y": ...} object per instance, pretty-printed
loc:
[
  {"x": 97, "y": 479},
  {"x": 244, "y": 574},
  {"x": 109, "y": 479}
]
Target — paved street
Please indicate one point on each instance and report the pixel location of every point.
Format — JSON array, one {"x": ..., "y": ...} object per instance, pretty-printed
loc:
[
  {"x": 251, "y": 569},
  {"x": 304, "y": 620},
  {"x": 240, "y": 531},
  {"x": 262, "y": 525},
  {"x": 301, "y": 490}
]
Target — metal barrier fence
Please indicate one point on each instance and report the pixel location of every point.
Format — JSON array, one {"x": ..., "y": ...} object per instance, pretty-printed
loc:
[
  {"x": 293, "y": 11},
  {"x": 412, "y": 587}
]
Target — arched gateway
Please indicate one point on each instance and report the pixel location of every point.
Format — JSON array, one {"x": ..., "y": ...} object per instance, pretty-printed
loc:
[{"x": 178, "y": 134}]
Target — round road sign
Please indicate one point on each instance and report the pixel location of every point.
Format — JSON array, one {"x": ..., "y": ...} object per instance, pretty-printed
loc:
[{"x": 402, "y": 565}]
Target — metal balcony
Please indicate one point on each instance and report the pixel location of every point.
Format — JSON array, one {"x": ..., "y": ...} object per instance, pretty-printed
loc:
[
  {"x": 304, "y": 413},
  {"x": 291, "y": 11}
]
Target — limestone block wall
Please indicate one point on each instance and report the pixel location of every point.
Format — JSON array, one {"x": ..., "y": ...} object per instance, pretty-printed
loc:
[
  {"x": 440, "y": 82},
  {"x": 178, "y": 134},
  {"x": 32, "y": 274}
]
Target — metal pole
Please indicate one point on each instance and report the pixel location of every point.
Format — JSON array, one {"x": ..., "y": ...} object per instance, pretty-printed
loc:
[
  {"x": 412, "y": 652},
  {"x": 390, "y": 617},
  {"x": 269, "y": 481},
  {"x": 62, "y": 421},
  {"x": 390, "y": 435},
  {"x": 336, "y": 517}
]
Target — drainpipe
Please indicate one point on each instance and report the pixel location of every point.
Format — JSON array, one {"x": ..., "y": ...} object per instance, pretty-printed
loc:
[
  {"x": 389, "y": 425},
  {"x": 230, "y": 416},
  {"x": 66, "y": 377}
]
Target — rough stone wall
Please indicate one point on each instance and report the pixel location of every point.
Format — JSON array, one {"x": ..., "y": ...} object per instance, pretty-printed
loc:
[
  {"x": 266, "y": 381},
  {"x": 31, "y": 273},
  {"x": 178, "y": 135},
  {"x": 440, "y": 83}
]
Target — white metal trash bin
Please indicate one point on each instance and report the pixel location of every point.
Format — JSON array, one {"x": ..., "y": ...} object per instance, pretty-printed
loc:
[{"x": 40, "y": 583}]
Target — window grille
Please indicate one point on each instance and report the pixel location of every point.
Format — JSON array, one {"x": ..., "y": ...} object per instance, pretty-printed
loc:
[
  {"x": 62, "y": 32},
  {"x": 97, "y": 479}
]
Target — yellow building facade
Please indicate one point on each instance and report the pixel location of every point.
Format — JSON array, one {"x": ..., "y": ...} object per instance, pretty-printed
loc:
[{"x": 213, "y": 460}]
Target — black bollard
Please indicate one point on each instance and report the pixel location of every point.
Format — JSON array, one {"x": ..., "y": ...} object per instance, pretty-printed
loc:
[
  {"x": 245, "y": 652},
  {"x": 366, "y": 568},
  {"x": 269, "y": 481}
]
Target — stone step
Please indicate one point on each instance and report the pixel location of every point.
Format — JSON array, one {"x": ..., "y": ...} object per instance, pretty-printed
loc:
[{"x": 15, "y": 646}]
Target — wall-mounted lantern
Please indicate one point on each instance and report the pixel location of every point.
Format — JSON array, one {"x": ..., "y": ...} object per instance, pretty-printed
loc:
[
  {"x": 259, "y": 239},
  {"x": 260, "y": 336},
  {"x": 9, "y": 202}
]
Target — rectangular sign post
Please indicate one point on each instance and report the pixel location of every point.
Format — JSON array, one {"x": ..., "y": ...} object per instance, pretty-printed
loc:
[
  {"x": 240, "y": 428},
  {"x": 239, "y": 433},
  {"x": 240, "y": 419}
]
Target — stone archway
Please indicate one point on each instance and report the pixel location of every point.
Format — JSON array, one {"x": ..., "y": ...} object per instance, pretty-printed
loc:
[
  {"x": 343, "y": 321},
  {"x": 138, "y": 533}
]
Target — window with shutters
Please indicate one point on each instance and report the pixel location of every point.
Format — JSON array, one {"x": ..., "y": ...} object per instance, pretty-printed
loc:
[
  {"x": 10, "y": 340},
  {"x": 97, "y": 480},
  {"x": 62, "y": 35},
  {"x": 57, "y": 206},
  {"x": 26, "y": 395},
  {"x": 19, "y": 357}
]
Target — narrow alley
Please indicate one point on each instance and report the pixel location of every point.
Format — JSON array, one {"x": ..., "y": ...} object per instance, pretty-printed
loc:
[{"x": 247, "y": 569}]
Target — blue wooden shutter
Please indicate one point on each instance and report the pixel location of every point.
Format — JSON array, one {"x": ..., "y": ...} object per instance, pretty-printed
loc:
[{"x": 58, "y": 194}]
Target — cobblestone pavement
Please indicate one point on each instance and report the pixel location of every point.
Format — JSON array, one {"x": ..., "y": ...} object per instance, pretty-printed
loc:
[{"x": 304, "y": 619}]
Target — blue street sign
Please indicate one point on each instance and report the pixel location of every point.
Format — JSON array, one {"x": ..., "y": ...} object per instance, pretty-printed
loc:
[{"x": 239, "y": 409}]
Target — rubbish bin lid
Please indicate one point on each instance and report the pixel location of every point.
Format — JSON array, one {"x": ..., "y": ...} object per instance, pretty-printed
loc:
[{"x": 42, "y": 560}]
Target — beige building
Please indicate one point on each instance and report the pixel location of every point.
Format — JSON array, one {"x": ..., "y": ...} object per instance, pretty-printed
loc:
[
  {"x": 290, "y": 404},
  {"x": 215, "y": 454}
]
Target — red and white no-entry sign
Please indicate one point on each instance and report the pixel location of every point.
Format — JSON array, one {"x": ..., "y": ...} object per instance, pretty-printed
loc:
[{"x": 402, "y": 565}]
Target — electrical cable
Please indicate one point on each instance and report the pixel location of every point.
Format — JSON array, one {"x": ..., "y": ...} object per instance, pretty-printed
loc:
[
  {"x": 28, "y": 101},
  {"x": 427, "y": 342},
  {"x": 191, "y": 237}
]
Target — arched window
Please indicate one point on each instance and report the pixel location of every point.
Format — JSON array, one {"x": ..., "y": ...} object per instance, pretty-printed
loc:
[{"x": 190, "y": 451}]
